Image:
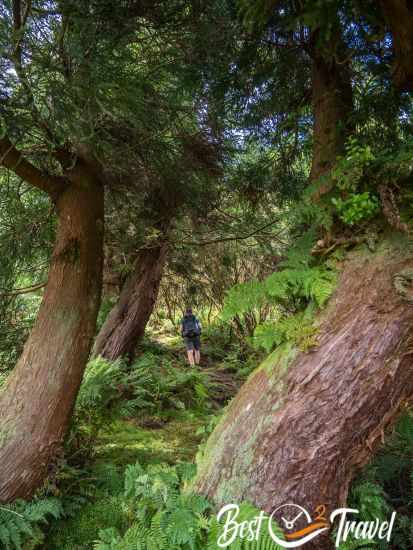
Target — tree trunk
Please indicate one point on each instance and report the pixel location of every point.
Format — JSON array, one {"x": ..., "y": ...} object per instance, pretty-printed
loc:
[
  {"x": 332, "y": 103},
  {"x": 127, "y": 320},
  {"x": 37, "y": 402},
  {"x": 399, "y": 19},
  {"x": 298, "y": 433}
]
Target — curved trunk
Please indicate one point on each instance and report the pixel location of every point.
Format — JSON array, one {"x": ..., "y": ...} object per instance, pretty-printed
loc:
[
  {"x": 127, "y": 320},
  {"x": 298, "y": 433},
  {"x": 37, "y": 402}
]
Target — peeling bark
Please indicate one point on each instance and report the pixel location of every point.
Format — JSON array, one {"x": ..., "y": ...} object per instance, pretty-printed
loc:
[
  {"x": 299, "y": 433},
  {"x": 37, "y": 401}
]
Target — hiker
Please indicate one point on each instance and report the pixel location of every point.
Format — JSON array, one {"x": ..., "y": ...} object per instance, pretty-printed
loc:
[{"x": 191, "y": 332}]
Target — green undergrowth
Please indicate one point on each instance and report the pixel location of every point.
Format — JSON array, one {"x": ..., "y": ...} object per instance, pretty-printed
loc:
[
  {"x": 150, "y": 507},
  {"x": 295, "y": 292},
  {"x": 119, "y": 445},
  {"x": 154, "y": 413},
  {"x": 386, "y": 486}
]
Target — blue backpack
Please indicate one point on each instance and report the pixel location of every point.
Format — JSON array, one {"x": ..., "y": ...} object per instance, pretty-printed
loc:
[{"x": 190, "y": 326}]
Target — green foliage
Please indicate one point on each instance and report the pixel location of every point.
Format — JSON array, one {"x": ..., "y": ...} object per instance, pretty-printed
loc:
[
  {"x": 298, "y": 329},
  {"x": 296, "y": 290},
  {"x": 153, "y": 385},
  {"x": 349, "y": 171},
  {"x": 313, "y": 284},
  {"x": 358, "y": 207},
  {"x": 358, "y": 174},
  {"x": 21, "y": 522},
  {"x": 386, "y": 485},
  {"x": 163, "y": 516},
  {"x": 26, "y": 231},
  {"x": 83, "y": 528},
  {"x": 99, "y": 399},
  {"x": 243, "y": 297}
]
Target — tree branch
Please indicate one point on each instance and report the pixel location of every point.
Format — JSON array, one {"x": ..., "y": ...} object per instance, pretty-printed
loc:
[
  {"x": 18, "y": 291},
  {"x": 238, "y": 237},
  {"x": 13, "y": 160},
  {"x": 19, "y": 23}
]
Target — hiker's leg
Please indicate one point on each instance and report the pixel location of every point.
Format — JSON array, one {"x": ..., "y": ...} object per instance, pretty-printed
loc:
[
  {"x": 191, "y": 357},
  {"x": 197, "y": 348},
  {"x": 189, "y": 350}
]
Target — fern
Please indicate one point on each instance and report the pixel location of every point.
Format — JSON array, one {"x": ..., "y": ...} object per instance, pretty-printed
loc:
[
  {"x": 20, "y": 522},
  {"x": 164, "y": 516},
  {"x": 298, "y": 287},
  {"x": 242, "y": 298},
  {"x": 314, "y": 284},
  {"x": 371, "y": 501},
  {"x": 151, "y": 385},
  {"x": 381, "y": 488},
  {"x": 298, "y": 330}
]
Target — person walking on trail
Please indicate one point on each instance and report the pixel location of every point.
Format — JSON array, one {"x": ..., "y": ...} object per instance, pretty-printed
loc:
[{"x": 191, "y": 333}]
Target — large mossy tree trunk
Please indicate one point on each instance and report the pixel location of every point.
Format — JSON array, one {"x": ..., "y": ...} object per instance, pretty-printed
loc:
[
  {"x": 37, "y": 401},
  {"x": 127, "y": 320},
  {"x": 298, "y": 433}
]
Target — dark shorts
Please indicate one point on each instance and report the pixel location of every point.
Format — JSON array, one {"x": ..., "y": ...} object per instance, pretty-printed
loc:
[{"x": 192, "y": 343}]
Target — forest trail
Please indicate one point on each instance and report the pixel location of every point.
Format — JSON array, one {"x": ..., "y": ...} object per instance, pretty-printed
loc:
[{"x": 169, "y": 437}]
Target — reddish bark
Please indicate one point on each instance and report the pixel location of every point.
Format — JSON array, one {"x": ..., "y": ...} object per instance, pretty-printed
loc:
[
  {"x": 37, "y": 402},
  {"x": 298, "y": 434},
  {"x": 127, "y": 320}
]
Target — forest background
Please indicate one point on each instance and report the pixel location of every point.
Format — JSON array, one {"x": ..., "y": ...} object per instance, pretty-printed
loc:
[{"x": 254, "y": 161}]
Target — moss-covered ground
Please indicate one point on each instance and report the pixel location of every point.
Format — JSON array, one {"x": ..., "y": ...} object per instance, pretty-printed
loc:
[
  {"x": 122, "y": 443},
  {"x": 171, "y": 437}
]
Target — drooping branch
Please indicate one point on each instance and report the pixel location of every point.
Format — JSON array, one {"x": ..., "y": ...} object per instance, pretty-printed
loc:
[{"x": 11, "y": 158}]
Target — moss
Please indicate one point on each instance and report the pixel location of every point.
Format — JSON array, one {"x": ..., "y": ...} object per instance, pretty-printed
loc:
[
  {"x": 403, "y": 283},
  {"x": 4, "y": 437},
  {"x": 275, "y": 366},
  {"x": 230, "y": 488},
  {"x": 125, "y": 442}
]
